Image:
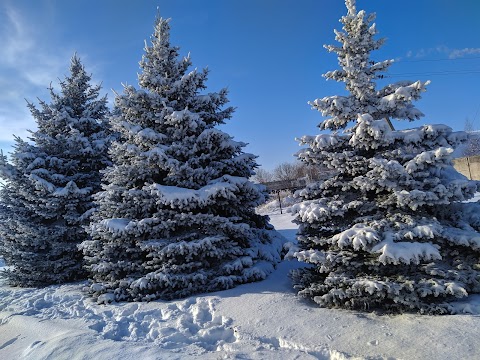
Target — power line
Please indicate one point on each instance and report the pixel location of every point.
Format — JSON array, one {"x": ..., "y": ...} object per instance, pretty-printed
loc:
[{"x": 435, "y": 73}]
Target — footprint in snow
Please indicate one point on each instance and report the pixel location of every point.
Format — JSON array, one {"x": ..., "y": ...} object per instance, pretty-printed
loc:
[
  {"x": 193, "y": 321},
  {"x": 9, "y": 342}
]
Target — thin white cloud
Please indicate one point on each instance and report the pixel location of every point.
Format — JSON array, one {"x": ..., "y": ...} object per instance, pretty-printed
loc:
[
  {"x": 28, "y": 64},
  {"x": 460, "y": 53},
  {"x": 444, "y": 51},
  {"x": 15, "y": 35}
]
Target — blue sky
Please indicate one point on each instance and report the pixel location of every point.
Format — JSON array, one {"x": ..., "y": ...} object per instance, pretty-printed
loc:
[{"x": 268, "y": 53}]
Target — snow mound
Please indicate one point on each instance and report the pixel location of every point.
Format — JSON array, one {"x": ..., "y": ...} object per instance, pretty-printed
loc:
[
  {"x": 192, "y": 326},
  {"x": 262, "y": 320}
]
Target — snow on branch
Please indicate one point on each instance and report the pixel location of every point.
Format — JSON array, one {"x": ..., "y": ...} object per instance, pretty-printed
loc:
[
  {"x": 467, "y": 238},
  {"x": 405, "y": 252},
  {"x": 428, "y": 158},
  {"x": 115, "y": 225},
  {"x": 71, "y": 188},
  {"x": 403, "y": 94},
  {"x": 360, "y": 236},
  {"x": 318, "y": 210},
  {"x": 370, "y": 133},
  {"x": 178, "y": 197},
  {"x": 7, "y": 171},
  {"x": 323, "y": 141},
  {"x": 310, "y": 256},
  {"x": 41, "y": 183}
]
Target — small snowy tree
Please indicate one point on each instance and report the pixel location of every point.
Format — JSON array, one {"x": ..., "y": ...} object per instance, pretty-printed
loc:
[
  {"x": 390, "y": 231},
  {"x": 47, "y": 197},
  {"x": 176, "y": 216}
]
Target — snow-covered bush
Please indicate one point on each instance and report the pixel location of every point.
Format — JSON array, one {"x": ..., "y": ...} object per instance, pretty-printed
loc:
[
  {"x": 177, "y": 213},
  {"x": 390, "y": 231},
  {"x": 47, "y": 199}
]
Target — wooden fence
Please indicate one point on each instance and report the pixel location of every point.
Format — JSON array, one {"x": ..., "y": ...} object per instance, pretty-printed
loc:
[{"x": 468, "y": 166}]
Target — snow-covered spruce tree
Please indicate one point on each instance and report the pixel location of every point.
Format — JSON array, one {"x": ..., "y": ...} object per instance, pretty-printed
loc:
[
  {"x": 47, "y": 197},
  {"x": 176, "y": 214},
  {"x": 390, "y": 231}
]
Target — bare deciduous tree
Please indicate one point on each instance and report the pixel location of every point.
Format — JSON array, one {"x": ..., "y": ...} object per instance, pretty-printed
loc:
[
  {"x": 473, "y": 145},
  {"x": 262, "y": 176},
  {"x": 288, "y": 171}
]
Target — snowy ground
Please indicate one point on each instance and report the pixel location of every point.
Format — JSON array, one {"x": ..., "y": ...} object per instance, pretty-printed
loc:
[{"x": 262, "y": 320}]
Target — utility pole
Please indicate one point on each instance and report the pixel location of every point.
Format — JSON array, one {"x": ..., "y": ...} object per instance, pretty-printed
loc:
[{"x": 279, "y": 201}]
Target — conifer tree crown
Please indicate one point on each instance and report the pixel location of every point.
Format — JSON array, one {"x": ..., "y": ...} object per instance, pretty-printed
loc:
[
  {"x": 391, "y": 229},
  {"x": 176, "y": 216},
  {"x": 47, "y": 200},
  {"x": 360, "y": 74}
]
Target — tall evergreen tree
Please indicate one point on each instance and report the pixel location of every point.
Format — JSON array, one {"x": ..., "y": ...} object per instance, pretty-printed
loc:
[
  {"x": 176, "y": 216},
  {"x": 47, "y": 198},
  {"x": 390, "y": 230}
]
